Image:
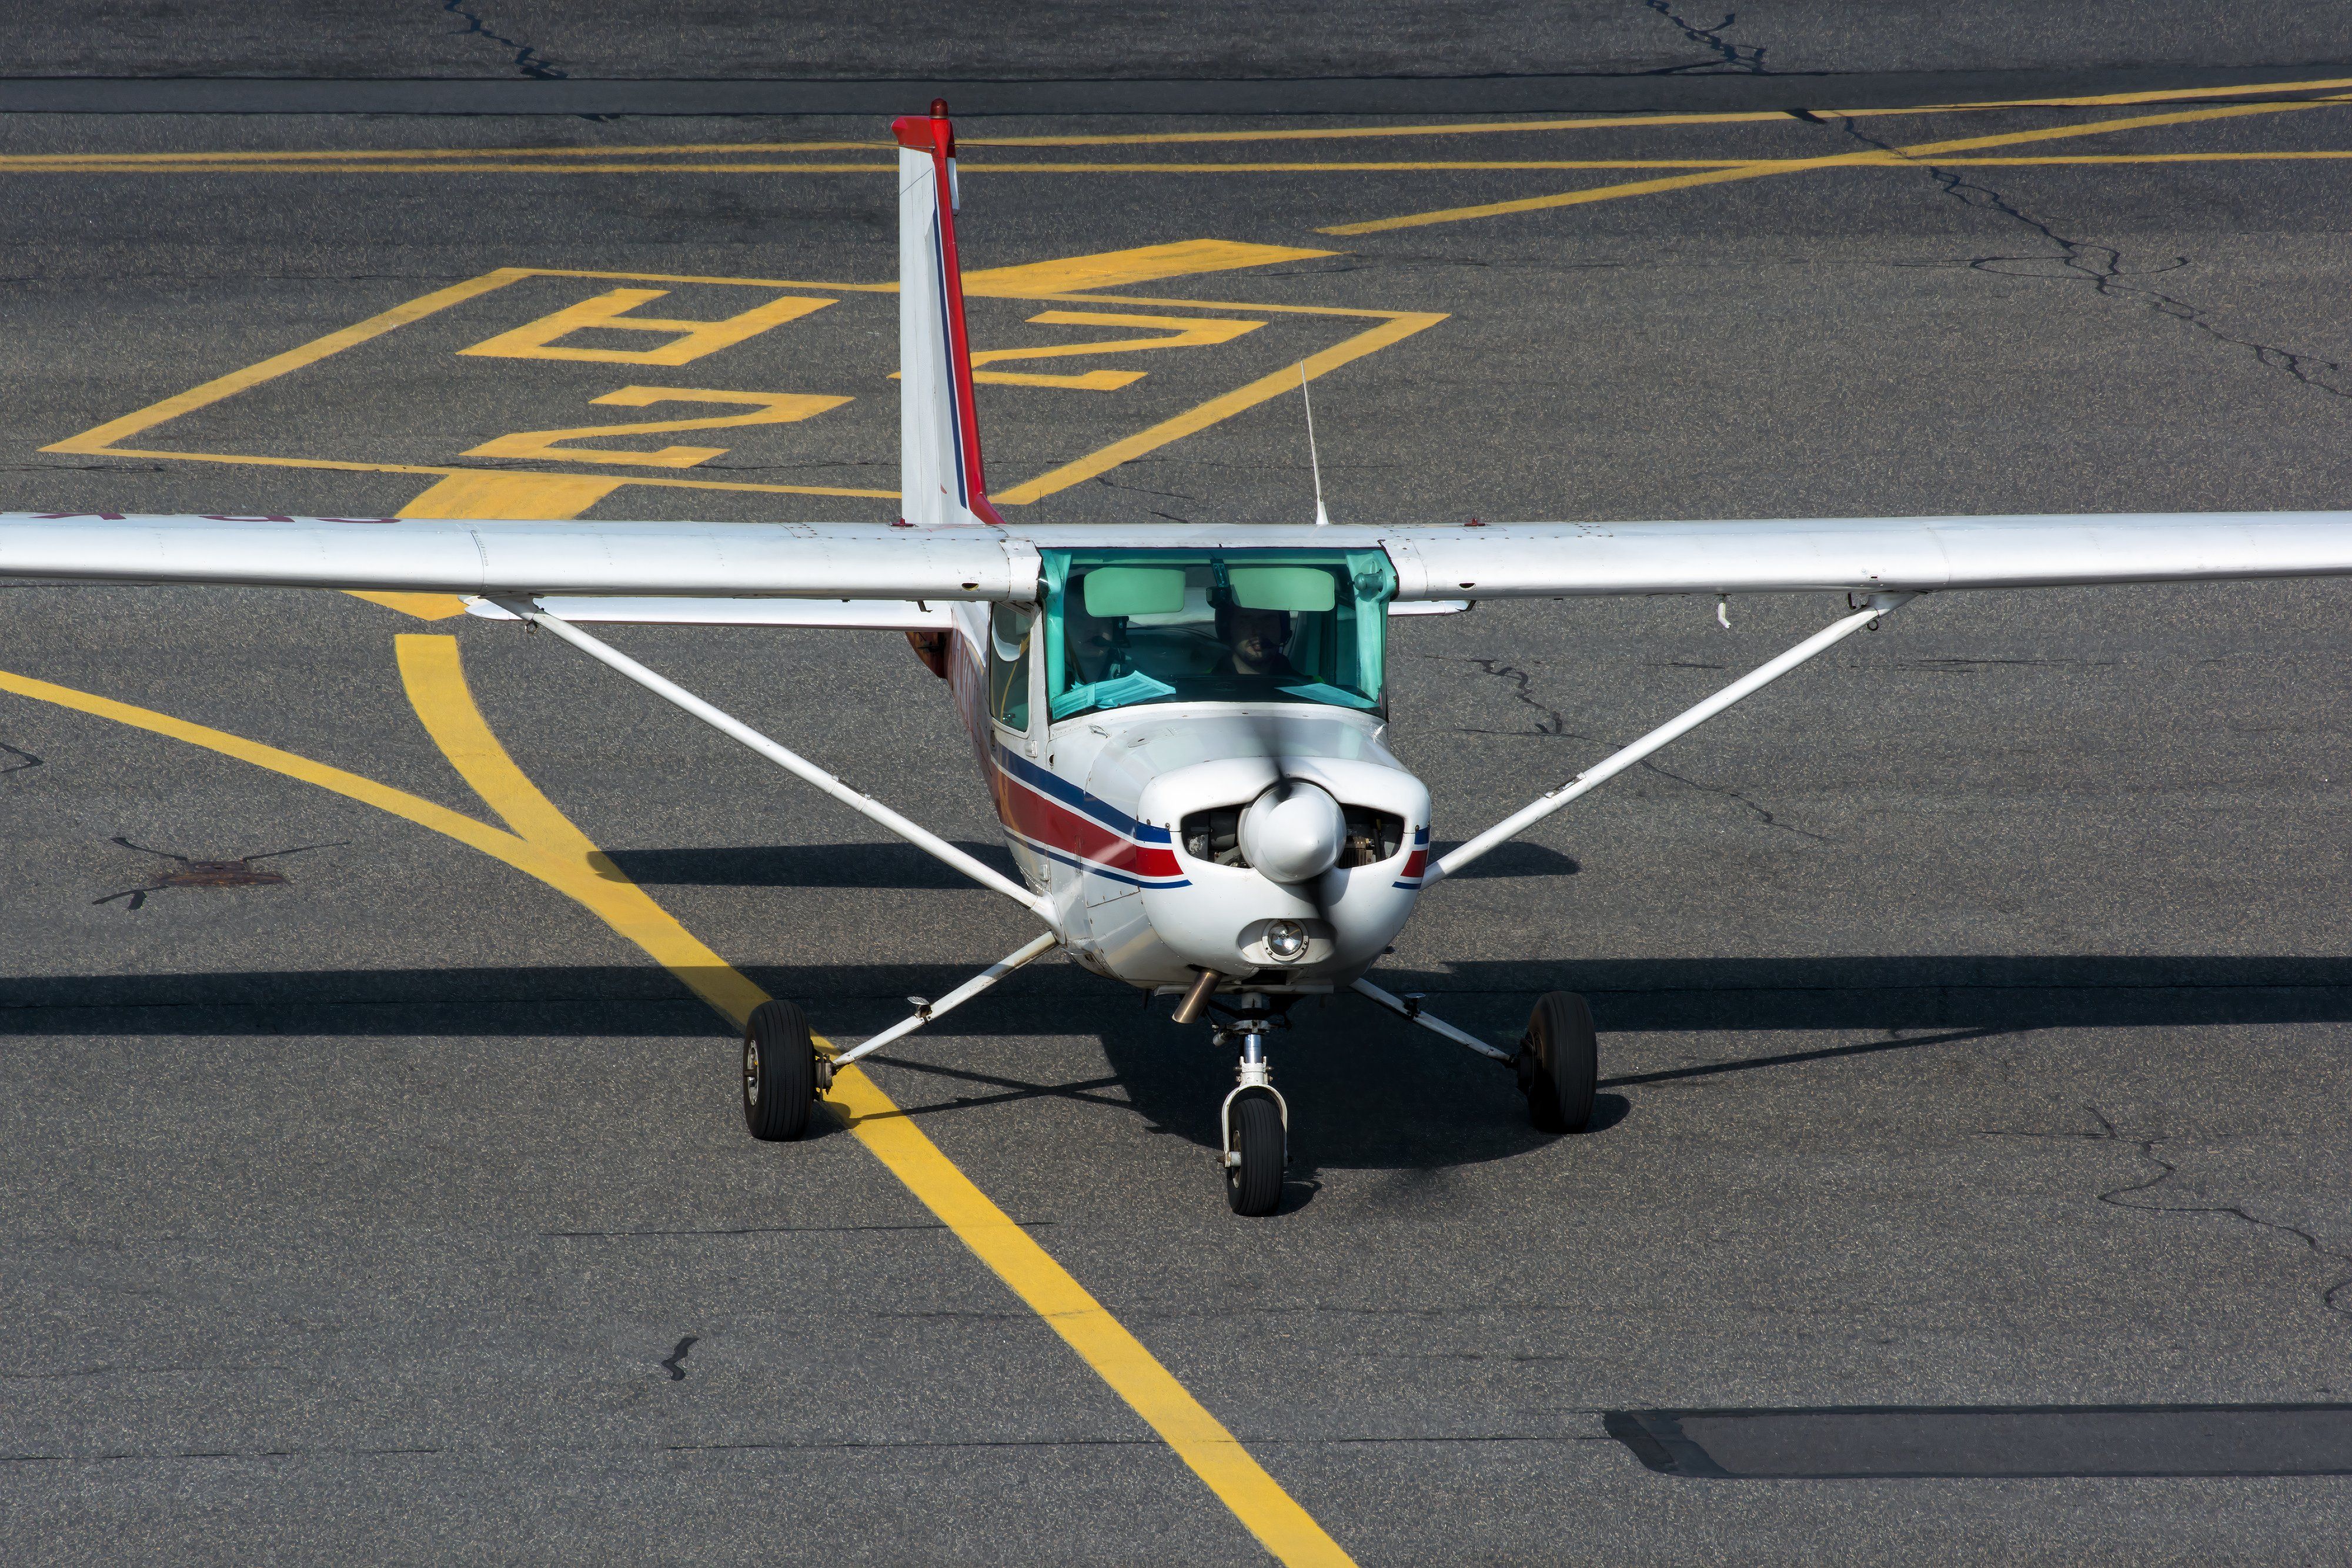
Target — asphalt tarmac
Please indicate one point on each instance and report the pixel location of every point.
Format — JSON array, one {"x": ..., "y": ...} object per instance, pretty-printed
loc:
[{"x": 1973, "y": 1003}]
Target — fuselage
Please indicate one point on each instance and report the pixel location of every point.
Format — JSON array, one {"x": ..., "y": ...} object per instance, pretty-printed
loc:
[{"x": 1130, "y": 819}]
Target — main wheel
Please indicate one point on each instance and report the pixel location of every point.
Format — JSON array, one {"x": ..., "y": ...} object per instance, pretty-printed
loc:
[
  {"x": 1559, "y": 1063},
  {"x": 1254, "y": 1187},
  {"x": 779, "y": 1073}
]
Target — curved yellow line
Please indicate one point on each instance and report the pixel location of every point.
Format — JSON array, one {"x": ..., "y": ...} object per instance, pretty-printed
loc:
[{"x": 547, "y": 845}]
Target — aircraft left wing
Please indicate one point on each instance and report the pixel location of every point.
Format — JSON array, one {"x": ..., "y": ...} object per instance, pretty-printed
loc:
[{"x": 836, "y": 560}]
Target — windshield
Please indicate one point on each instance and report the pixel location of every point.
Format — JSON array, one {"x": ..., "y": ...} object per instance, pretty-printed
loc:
[{"x": 1125, "y": 627}]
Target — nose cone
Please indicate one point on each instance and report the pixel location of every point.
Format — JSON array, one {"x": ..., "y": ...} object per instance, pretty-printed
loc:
[{"x": 1292, "y": 832}]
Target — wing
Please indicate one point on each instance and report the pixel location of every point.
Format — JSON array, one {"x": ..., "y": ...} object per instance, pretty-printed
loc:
[
  {"x": 865, "y": 561},
  {"x": 1864, "y": 554},
  {"x": 840, "y": 561}
]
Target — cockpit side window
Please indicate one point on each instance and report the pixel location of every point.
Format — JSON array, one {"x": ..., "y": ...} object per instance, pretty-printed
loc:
[{"x": 1009, "y": 637}]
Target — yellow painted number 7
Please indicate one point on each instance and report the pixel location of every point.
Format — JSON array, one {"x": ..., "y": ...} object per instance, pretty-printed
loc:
[
  {"x": 769, "y": 408},
  {"x": 1184, "y": 332}
]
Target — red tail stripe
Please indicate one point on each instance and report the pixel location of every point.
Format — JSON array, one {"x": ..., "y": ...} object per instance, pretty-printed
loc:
[{"x": 934, "y": 135}]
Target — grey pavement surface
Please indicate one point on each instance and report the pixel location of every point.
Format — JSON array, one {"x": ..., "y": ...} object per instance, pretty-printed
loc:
[
  {"x": 1019, "y": 39},
  {"x": 1974, "y": 1004}
]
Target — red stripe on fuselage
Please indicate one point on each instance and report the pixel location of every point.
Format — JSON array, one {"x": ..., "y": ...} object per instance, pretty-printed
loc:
[{"x": 1048, "y": 821}]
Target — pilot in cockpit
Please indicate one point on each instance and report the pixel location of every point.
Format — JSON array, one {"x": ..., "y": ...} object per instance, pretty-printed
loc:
[{"x": 1254, "y": 641}]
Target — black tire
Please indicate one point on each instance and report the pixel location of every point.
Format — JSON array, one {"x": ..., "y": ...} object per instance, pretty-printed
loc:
[
  {"x": 1559, "y": 1063},
  {"x": 1254, "y": 1186},
  {"x": 779, "y": 1073}
]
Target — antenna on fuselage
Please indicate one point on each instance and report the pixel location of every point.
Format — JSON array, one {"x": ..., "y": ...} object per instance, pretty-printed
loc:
[{"x": 1322, "y": 518}]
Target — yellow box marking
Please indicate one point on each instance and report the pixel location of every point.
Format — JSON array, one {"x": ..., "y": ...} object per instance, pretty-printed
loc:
[
  {"x": 1399, "y": 326},
  {"x": 610, "y": 313},
  {"x": 540, "y": 339},
  {"x": 1195, "y": 333},
  {"x": 1126, "y": 268},
  {"x": 769, "y": 408},
  {"x": 475, "y": 493},
  {"x": 102, "y": 437}
]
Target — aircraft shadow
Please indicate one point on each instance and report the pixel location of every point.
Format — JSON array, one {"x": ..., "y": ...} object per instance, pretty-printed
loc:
[
  {"x": 893, "y": 864},
  {"x": 1368, "y": 1090}
]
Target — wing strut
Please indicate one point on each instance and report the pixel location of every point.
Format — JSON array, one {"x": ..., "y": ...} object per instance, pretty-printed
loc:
[
  {"x": 1409, "y": 1006},
  {"x": 1601, "y": 772},
  {"x": 926, "y": 1011},
  {"x": 791, "y": 761}
]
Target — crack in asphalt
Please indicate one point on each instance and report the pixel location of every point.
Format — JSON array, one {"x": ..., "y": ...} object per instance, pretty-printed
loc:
[
  {"x": 1108, "y": 482},
  {"x": 527, "y": 58},
  {"x": 675, "y": 1364},
  {"x": 113, "y": 1456},
  {"x": 1746, "y": 57},
  {"x": 744, "y": 1230},
  {"x": 1552, "y": 723},
  {"x": 24, "y": 759},
  {"x": 2102, "y": 266},
  {"x": 106, "y": 1370},
  {"x": 1958, "y": 666},
  {"x": 2166, "y": 1170}
]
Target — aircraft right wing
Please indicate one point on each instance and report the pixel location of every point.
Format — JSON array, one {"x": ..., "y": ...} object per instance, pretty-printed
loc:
[{"x": 1865, "y": 554}]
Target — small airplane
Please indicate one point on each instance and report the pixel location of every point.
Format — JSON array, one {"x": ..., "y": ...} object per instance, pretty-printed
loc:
[{"x": 1183, "y": 726}]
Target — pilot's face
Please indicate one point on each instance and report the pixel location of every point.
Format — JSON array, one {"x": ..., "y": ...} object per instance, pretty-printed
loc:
[
  {"x": 1089, "y": 638},
  {"x": 1256, "y": 639}
]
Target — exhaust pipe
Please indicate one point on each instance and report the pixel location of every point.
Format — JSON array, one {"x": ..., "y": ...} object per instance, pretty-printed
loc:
[{"x": 1196, "y": 1000}]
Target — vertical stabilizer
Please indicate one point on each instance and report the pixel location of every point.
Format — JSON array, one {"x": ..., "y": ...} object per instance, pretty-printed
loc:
[{"x": 939, "y": 477}]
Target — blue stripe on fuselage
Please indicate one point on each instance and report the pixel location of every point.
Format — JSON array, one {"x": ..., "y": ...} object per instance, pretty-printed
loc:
[{"x": 1059, "y": 789}]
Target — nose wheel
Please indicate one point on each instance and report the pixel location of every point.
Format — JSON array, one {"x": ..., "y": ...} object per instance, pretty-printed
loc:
[
  {"x": 1254, "y": 1153},
  {"x": 1253, "y": 1118}
]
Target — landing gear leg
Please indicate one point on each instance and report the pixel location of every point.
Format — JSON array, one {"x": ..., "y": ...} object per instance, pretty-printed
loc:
[{"x": 1253, "y": 1118}]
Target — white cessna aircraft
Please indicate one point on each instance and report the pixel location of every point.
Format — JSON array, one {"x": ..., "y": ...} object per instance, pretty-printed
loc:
[{"x": 1182, "y": 726}]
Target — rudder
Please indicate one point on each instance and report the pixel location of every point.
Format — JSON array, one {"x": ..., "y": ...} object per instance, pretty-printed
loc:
[{"x": 940, "y": 481}]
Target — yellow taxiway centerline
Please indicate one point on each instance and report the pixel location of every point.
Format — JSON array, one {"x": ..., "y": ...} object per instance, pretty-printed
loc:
[
  {"x": 546, "y": 845},
  {"x": 1918, "y": 153},
  {"x": 1320, "y": 134}
]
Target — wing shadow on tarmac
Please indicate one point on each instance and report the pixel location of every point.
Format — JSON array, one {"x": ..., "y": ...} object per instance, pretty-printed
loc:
[{"x": 1370, "y": 1091}]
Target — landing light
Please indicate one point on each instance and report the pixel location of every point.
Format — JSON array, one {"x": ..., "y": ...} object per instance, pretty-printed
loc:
[{"x": 1286, "y": 940}]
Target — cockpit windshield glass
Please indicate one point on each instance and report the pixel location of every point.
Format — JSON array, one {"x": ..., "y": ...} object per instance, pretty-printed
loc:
[{"x": 1125, "y": 627}]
